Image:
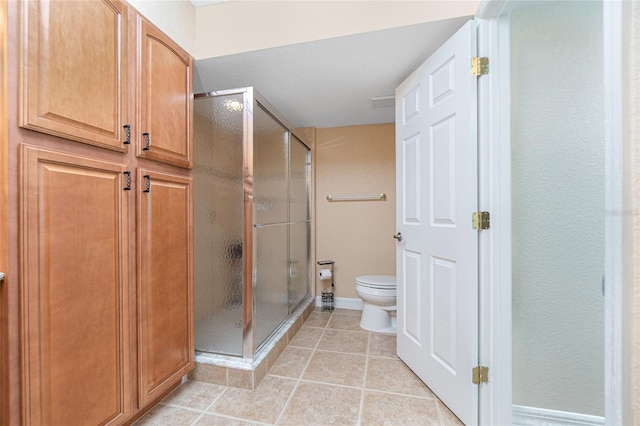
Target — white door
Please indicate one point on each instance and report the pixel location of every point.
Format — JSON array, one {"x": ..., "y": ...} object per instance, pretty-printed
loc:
[{"x": 437, "y": 258}]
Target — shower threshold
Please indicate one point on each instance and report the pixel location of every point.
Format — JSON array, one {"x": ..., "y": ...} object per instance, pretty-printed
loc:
[{"x": 243, "y": 373}]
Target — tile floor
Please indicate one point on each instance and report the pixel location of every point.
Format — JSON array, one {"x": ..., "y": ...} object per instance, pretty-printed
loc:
[{"x": 332, "y": 372}]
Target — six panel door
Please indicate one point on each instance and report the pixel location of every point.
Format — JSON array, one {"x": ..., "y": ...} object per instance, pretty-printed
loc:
[
  {"x": 165, "y": 281},
  {"x": 437, "y": 187},
  {"x": 74, "y": 290},
  {"x": 74, "y": 83}
]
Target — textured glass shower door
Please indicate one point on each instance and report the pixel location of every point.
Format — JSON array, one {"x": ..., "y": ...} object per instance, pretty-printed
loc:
[
  {"x": 271, "y": 223},
  {"x": 251, "y": 220},
  {"x": 299, "y": 234},
  {"x": 218, "y": 223}
]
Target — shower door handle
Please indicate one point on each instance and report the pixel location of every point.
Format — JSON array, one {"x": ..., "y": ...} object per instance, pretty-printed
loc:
[{"x": 398, "y": 236}]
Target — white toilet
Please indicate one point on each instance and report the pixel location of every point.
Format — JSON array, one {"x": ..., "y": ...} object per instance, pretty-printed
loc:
[{"x": 378, "y": 294}]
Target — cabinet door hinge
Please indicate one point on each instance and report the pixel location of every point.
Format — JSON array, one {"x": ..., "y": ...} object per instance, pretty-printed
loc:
[
  {"x": 479, "y": 66},
  {"x": 481, "y": 220},
  {"x": 480, "y": 374}
]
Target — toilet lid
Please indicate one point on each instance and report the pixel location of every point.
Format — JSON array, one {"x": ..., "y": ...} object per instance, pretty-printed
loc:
[{"x": 377, "y": 281}]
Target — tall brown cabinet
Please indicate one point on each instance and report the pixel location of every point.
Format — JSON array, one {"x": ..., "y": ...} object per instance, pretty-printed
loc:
[{"x": 105, "y": 196}]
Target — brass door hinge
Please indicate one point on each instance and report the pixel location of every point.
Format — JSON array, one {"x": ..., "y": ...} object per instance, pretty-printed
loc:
[
  {"x": 479, "y": 66},
  {"x": 481, "y": 220},
  {"x": 480, "y": 375}
]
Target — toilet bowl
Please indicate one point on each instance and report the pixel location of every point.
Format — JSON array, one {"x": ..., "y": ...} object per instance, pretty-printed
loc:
[{"x": 378, "y": 294}]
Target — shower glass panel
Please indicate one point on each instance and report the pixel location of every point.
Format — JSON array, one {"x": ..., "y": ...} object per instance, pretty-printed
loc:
[
  {"x": 271, "y": 220},
  {"x": 300, "y": 221},
  {"x": 270, "y": 169},
  {"x": 252, "y": 222},
  {"x": 218, "y": 223},
  {"x": 270, "y": 292}
]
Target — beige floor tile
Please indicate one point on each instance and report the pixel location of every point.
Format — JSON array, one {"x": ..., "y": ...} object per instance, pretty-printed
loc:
[
  {"x": 313, "y": 404},
  {"x": 344, "y": 341},
  {"x": 336, "y": 368},
  {"x": 391, "y": 375},
  {"x": 387, "y": 409},
  {"x": 213, "y": 420},
  {"x": 382, "y": 345},
  {"x": 317, "y": 319},
  {"x": 291, "y": 363},
  {"x": 196, "y": 395},
  {"x": 262, "y": 404},
  {"x": 448, "y": 418},
  {"x": 345, "y": 322},
  {"x": 307, "y": 337},
  {"x": 351, "y": 312},
  {"x": 164, "y": 415}
]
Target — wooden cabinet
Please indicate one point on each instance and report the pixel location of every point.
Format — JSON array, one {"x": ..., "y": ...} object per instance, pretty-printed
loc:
[
  {"x": 79, "y": 82},
  {"x": 165, "y": 281},
  {"x": 75, "y": 70},
  {"x": 165, "y": 101},
  {"x": 75, "y": 290},
  {"x": 106, "y": 292}
]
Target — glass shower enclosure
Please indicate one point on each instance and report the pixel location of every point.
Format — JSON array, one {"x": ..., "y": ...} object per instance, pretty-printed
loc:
[{"x": 251, "y": 220}]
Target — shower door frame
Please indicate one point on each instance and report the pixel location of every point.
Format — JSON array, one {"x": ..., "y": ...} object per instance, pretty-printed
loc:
[{"x": 251, "y": 99}]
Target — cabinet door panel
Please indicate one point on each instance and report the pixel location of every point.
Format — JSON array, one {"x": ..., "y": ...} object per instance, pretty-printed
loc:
[
  {"x": 74, "y": 290},
  {"x": 166, "y": 101},
  {"x": 74, "y": 83},
  {"x": 165, "y": 281}
]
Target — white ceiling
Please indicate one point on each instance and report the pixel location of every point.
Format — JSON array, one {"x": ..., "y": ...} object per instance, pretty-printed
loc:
[
  {"x": 330, "y": 83},
  {"x": 200, "y": 3}
]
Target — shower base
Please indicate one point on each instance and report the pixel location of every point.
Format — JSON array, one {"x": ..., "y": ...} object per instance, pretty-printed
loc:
[{"x": 240, "y": 373}]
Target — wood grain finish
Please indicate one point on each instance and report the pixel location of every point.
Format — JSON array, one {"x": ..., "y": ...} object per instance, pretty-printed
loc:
[
  {"x": 74, "y": 60},
  {"x": 165, "y": 101},
  {"x": 4, "y": 219},
  {"x": 165, "y": 281},
  {"x": 74, "y": 290}
]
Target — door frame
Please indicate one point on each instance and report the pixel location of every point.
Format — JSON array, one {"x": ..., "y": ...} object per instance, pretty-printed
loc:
[{"x": 494, "y": 180}]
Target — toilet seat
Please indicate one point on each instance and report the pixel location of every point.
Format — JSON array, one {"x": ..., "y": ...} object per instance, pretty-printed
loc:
[{"x": 382, "y": 282}]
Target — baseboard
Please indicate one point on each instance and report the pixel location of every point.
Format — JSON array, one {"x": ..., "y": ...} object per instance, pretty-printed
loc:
[
  {"x": 531, "y": 416},
  {"x": 343, "y": 303}
]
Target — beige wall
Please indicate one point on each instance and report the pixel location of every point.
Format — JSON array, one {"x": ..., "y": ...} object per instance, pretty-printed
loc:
[
  {"x": 242, "y": 26},
  {"x": 176, "y": 18},
  {"x": 355, "y": 160}
]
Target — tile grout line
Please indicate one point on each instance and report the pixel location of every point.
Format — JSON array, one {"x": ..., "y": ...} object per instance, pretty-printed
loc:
[
  {"x": 440, "y": 413},
  {"x": 299, "y": 379},
  {"x": 364, "y": 380},
  {"x": 216, "y": 400}
]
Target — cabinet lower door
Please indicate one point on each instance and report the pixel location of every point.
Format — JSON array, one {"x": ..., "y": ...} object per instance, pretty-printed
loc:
[
  {"x": 165, "y": 281},
  {"x": 74, "y": 294}
]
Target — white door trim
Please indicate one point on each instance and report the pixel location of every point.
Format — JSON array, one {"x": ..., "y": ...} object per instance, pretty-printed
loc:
[
  {"x": 494, "y": 189},
  {"x": 615, "y": 306},
  {"x": 495, "y": 195}
]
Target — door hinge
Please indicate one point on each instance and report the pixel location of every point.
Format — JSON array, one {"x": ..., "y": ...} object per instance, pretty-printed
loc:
[
  {"x": 481, "y": 220},
  {"x": 479, "y": 66},
  {"x": 480, "y": 374}
]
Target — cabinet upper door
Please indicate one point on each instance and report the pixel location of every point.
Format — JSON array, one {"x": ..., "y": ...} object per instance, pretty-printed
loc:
[
  {"x": 74, "y": 290},
  {"x": 165, "y": 281},
  {"x": 74, "y": 63},
  {"x": 165, "y": 104}
]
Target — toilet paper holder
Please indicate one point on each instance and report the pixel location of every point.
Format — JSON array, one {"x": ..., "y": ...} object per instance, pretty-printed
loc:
[{"x": 327, "y": 294}]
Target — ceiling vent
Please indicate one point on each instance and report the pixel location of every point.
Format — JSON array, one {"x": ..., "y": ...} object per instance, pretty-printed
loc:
[{"x": 384, "y": 102}]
